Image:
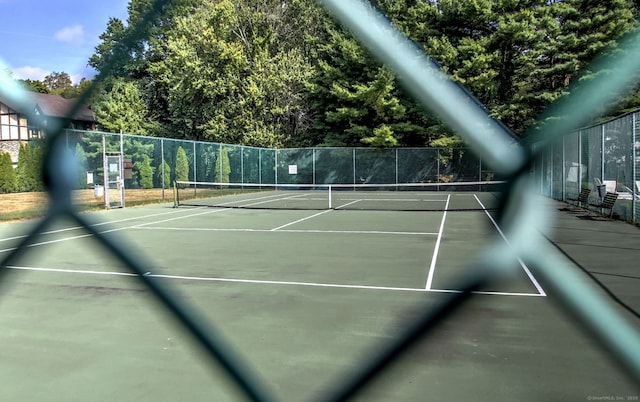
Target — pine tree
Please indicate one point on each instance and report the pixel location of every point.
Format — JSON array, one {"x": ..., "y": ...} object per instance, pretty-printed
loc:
[
  {"x": 222, "y": 169},
  {"x": 166, "y": 181},
  {"x": 8, "y": 179},
  {"x": 354, "y": 93},
  {"x": 35, "y": 168},
  {"x": 81, "y": 162},
  {"x": 182, "y": 165},
  {"x": 145, "y": 171},
  {"x": 122, "y": 109},
  {"x": 23, "y": 170}
]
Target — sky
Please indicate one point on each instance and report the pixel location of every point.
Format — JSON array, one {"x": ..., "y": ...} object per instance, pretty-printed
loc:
[{"x": 38, "y": 37}]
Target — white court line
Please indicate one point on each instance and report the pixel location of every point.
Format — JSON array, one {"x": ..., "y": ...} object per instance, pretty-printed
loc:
[
  {"x": 93, "y": 225},
  {"x": 264, "y": 282},
  {"x": 300, "y": 220},
  {"x": 283, "y": 231},
  {"x": 349, "y": 203},
  {"x": 208, "y": 211},
  {"x": 432, "y": 267},
  {"x": 288, "y": 197},
  {"x": 522, "y": 264},
  {"x": 43, "y": 243}
]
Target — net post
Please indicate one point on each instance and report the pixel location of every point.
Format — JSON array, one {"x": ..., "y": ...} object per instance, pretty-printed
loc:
[
  {"x": 330, "y": 203},
  {"x": 176, "y": 199}
]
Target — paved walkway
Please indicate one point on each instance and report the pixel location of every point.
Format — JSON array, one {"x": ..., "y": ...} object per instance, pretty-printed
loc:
[{"x": 607, "y": 250}]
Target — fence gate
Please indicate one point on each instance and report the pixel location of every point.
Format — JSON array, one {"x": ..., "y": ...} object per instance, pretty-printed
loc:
[{"x": 113, "y": 180}]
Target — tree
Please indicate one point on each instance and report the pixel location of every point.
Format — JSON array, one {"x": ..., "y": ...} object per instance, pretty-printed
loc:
[
  {"x": 182, "y": 165},
  {"x": 28, "y": 173},
  {"x": 515, "y": 57},
  {"x": 35, "y": 86},
  {"x": 37, "y": 160},
  {"x": 145, "y": 171},
  {"x": 111, "y": 39},
  {"x": 23, "y": 173},
  {"x": 382, "y": 138},
  {"x": 58, "y": 81},
  {"x": 121, "y": 109},
  {"x": 355, "y": 95},
  {"x": 131, "y": 60},
  {"x": 81, "y": 162},
  {"x": 282, "y": 73},
  {"x": 232, "y": 81},
  {"x": 164, "y": 175},
  {"x": 8, "y": 180},
  {"x": 222, "y": 168}
]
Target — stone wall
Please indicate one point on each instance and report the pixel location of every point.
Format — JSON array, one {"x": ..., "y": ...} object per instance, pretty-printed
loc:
[{"x": 12, "y": 147}]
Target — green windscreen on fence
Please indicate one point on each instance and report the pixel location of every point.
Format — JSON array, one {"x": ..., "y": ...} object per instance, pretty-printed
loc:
[{"x": 607, "y": 154}]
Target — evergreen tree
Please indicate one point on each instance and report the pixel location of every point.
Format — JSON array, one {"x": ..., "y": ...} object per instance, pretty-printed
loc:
[
  {"x": 23, "y": 171},
  {"x": 353, "y": 93},
  {"x": 28, "y": 172},
  {"x": 8, "y": 179},
  {"x": 282, "y": 73},
  {"x": 37, "y": 160},
  {"x": 166, "y": 183},
  {"x": 81, "y": 162},
  {"x": 122, "y": 109},
  {"x": 182, "y": 165},
  {"x": 222, "y": 169},
  {"x": 145, "y": 171}
]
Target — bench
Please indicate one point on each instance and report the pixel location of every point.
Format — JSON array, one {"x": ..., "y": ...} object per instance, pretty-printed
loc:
[
  {"x": 582, "y": 198},
  {"x": 608, "y": 202}
]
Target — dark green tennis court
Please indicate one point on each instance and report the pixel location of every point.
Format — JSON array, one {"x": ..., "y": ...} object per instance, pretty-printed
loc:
[{"x": 306, "y": 296}]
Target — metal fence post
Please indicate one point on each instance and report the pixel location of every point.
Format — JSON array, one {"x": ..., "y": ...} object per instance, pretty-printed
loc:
[{"x": 634, "y": 176}]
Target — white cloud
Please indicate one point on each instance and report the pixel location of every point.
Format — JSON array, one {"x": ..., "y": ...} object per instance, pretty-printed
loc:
[
  {"x": 73, "y": 34},
  {"x": 30, "y": 73}
]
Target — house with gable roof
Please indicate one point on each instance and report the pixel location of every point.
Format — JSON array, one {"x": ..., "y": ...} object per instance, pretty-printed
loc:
[{"x": 20, "y": 123}]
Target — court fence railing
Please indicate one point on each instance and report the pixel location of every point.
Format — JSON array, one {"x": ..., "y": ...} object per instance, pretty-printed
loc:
[
  {"x": 217, "y": 162},
  {"x": 605, "y": 155}
]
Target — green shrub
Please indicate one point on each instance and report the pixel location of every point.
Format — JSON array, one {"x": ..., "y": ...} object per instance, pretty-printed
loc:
[
  {"x": 8, "y": 179},
  {"x": 182, "y": 165},
  {"x": 145, "y": 171},
  {"x": 167, "y": 175}
]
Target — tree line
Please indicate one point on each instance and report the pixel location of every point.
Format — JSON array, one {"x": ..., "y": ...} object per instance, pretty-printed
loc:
[{"x": 283, "y": 73}]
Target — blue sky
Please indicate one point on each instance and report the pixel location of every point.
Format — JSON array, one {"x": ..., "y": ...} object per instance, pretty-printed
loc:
[{"x": 38, "y": 37}]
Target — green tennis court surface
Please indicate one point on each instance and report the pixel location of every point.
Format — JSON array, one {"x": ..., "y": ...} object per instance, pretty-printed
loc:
[{"x": 305, "y": 295}]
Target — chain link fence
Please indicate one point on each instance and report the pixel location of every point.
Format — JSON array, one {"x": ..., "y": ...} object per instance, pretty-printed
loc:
[
  {"x": 215, "y": 162},
  {"x": 606, "y": 155},
  {"x": 520, "y": 218}
]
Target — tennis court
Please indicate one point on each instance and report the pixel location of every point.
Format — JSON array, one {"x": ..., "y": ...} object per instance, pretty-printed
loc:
[{"x": 306, "y": 296}]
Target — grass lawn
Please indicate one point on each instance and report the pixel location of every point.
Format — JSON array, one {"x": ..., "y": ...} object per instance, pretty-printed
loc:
[{"x": 28, "y": 205}]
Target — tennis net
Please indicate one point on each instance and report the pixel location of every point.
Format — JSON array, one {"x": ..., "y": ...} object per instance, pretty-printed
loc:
[{"x": 458, "y": 196}]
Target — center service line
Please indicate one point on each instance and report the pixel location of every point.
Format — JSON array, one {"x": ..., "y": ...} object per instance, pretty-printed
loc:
[
  {"x": 300, "y": 220},
  {"x": 432, "y": 268}
]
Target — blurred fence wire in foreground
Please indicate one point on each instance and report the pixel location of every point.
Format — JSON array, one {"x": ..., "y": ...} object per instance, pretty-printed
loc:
[{"x": 521, "y": 217}]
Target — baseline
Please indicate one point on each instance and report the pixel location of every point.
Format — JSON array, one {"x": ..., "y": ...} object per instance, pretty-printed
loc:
[
  {"x": 266, "y": 282},
  {"x": 381, "y": 232}
]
